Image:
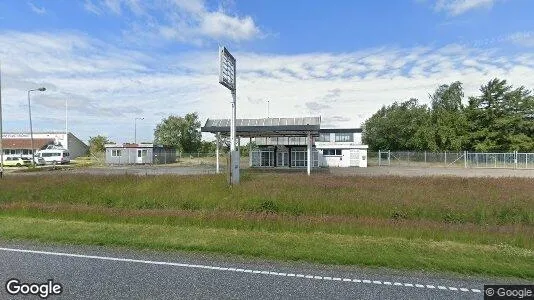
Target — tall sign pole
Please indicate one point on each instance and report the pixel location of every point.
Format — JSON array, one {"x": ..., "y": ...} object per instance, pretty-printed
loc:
[
  {"x": 227, "y": 77},
  {"x": 1, "y": 129}
]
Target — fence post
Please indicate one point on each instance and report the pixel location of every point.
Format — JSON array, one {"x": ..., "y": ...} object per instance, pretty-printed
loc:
[
  {"x": 389, "y": 157},
  {"x": 425, "y": 157},
  {"x": 515, "y": 159},
  {"x": 379, "y": 157},
  {"x": 445, "y": 158},
  {"x": 465, "y": 159}
]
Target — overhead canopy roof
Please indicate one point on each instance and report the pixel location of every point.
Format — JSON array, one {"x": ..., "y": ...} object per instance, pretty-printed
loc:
[{"x": 267, "y": 127}]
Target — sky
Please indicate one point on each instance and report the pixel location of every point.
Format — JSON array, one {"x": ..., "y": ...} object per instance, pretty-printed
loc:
[{"x": 112, "y": 61}]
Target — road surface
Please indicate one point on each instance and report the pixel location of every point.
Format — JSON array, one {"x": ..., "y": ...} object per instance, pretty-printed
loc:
[{"x": 90, "y": 272}]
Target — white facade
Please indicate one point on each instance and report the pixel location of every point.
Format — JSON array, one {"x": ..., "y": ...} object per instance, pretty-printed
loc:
[
  {"x": 333, "y": 148},
  {"x": 341, "y": 149},
  {"x": 68, "y": 141}
]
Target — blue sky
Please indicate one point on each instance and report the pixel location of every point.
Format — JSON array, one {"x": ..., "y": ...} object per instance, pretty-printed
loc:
[{"x": 114, "y": 60}]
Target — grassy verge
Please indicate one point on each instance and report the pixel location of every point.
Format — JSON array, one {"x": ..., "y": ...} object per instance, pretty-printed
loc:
[
  {"x": 466, "y": 225},
  {"x": 318, "y": 247}
]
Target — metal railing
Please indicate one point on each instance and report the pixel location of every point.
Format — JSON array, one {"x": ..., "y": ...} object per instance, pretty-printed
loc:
[{"x": 464, "y": 159}]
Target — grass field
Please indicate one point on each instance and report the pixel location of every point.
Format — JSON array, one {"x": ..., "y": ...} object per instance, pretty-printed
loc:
[{"x": 465, "y": 225}]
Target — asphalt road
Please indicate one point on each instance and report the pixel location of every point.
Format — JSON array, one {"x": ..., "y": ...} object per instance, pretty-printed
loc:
[{"x": 111, "y": 273}]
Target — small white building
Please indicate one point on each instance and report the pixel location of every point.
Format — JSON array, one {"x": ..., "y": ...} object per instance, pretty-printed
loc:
[
  {"x": 20, "y": 143},
  {"x": 341, "y": 147}
]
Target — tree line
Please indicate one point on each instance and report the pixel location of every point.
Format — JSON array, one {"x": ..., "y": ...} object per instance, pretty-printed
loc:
[
  {"x": 500, "y": 118},
  {"x": 179, "y": 132}
]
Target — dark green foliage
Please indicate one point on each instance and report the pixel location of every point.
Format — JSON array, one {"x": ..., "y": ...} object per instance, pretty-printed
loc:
[
  {"x": 404, "y": 125},
  {"x": 500, "y": 119},
  {"x": 97, "y": 143},
  {"x": 183, "y": 133}
]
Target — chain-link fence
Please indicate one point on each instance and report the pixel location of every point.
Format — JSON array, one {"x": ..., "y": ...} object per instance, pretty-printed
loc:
[{"x": 464, "y": 159}]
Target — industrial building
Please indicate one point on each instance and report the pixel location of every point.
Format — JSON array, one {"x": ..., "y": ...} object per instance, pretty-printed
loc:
[
  {"x": 296, "y": 142},
  {"x": 20, "y": 144},
  {"x": 129, "y": 154}
]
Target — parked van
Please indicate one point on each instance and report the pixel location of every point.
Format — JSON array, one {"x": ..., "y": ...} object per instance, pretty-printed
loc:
[{"x": 55, "y": 156}]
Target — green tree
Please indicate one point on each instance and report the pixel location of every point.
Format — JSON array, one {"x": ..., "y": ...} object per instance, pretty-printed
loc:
[
  {"x": 97, "y": 144},
  {"x": 183, "y": 133},
  {"x": 501, "y": 118},
  {"x": 400, "y": 126},
  {"x": 208, "y": 147},
  {"x": 448, "y": 117}
]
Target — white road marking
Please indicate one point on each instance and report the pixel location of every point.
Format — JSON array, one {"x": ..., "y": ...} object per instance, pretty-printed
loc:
[{"x": 193, "y": 266}]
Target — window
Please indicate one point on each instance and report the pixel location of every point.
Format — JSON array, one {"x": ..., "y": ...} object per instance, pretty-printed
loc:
[
  {"x": 344, "y": 137},
  {"x": 332, "y": 152},
  {"x": 324, "y": 137},
  {"x": 115, "y": 153}
]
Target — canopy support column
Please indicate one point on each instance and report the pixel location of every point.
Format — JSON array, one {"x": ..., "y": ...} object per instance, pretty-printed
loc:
[
  {"x": 217, "y": 137},
  {"x": 309, "y": 153}
]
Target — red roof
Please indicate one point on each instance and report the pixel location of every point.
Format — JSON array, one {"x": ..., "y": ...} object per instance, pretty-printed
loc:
[{"x": 25, "y": 143}]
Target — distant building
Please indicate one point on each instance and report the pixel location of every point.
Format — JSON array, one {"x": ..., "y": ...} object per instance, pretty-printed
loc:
[
  {"x": 19, "y": 144},
  {"x": 127, "y": 154},
  {"x": 285, "y": 142}
]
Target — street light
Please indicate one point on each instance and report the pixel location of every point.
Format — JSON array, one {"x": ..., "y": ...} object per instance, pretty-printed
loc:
[
  {"x": 41, "y": 89},
  {"x": 135, "y": 129}
]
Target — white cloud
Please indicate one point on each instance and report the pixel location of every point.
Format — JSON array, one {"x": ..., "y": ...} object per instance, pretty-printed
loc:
[
  {"x": 525, "y": 38},
  {"x": 91, "y": 7},
  {"x": 458, "y": 7},
  {"x": 37, "y": 10},
  {"x": 108, "y": 86},
  {"x": 186, "y": 21}
]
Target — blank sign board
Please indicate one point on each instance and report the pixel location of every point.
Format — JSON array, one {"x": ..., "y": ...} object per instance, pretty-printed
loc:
[{"x": 227, "y": 69}]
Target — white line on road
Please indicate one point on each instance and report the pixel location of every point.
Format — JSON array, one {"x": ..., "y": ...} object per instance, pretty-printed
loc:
[{"x": 235, "y": 270}]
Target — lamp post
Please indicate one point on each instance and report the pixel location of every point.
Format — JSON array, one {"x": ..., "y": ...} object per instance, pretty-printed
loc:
[
  {"x": 1, "y": 132},
  {"x": 41, "y": 89},
  {"x": 135, "y": 129}
]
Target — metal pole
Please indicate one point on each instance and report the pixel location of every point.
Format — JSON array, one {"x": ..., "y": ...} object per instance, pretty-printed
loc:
[
  {"x": 31, "y": 128},
  {"x": 379, "y": 157},
  {"x": 309, "y": 153},
  {"x": 67, "y": 120},
  {"x": 232, "y": 124},
  {"x": 217, "y": 153},
  {"x": 1, "y": 129},
  {"x": 268, "y": 108},
  {"x": 135, "y": 131},
  {"x": 465, "y": 159}
]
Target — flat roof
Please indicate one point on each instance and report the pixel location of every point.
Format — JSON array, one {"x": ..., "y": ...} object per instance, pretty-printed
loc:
[
  {"x": 266, "y": 127},
  {"x": 340, "y": 130}
]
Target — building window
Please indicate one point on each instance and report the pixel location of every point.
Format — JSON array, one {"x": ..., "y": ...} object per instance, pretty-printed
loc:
[
  {"x": 115, "y": 153},
  {"x": 324, "y": 137},
  {"x": 332, "y": 152},
  {"x": 344, "y": 137}
]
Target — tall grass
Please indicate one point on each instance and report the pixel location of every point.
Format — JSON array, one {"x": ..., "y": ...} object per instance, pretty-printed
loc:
[
  {"x": 482, "y": 201},
  {"x": 478, "y": 213}
]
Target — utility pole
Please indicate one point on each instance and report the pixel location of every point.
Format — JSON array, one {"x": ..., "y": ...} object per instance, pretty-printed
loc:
[{"x": 1, "y": 129}]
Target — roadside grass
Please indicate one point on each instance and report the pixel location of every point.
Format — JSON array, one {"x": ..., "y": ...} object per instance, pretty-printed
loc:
[
  {"x": 466, "y": 225},
  {"x": 318, "y": 247}
]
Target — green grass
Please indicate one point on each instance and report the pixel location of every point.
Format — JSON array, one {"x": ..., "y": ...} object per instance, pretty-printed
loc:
[
  {"x": 317, "y": 246},
  {"x": 466, "y": 225}
]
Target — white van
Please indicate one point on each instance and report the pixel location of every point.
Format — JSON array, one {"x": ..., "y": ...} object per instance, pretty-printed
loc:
[{"x": 55, "y": 156}]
